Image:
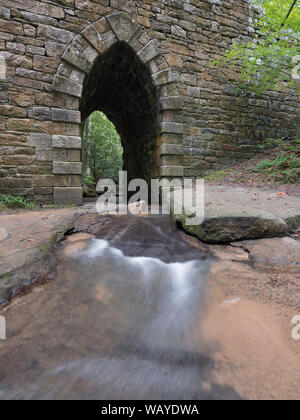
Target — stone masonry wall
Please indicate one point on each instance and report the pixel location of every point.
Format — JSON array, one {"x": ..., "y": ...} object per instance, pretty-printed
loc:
[{"x": 49, "y": 48}]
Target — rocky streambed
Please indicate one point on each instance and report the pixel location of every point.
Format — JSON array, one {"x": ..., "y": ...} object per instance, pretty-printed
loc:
[{"x": 138, "y": 309}]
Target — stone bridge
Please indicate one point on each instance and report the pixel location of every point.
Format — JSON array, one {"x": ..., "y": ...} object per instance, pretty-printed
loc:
[{"x": 147, "y": 65}]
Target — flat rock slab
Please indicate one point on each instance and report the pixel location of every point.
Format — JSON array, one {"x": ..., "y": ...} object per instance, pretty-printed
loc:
[
  {"x": 236, "y": 213},
  {"x": 277, "y": 251},
  {"x": 25, "y": 240}
]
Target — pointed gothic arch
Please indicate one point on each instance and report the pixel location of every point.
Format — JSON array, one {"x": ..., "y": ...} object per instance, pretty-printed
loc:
[{"x": 158, "y": 103}]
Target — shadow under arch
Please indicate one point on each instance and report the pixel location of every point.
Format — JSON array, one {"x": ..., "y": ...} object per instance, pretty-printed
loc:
[{"x": 121, "y": 86}]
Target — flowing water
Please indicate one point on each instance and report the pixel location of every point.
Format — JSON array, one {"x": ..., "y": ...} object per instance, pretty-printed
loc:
[
  {"x": 139, "y": 310},
  {"x": 121, "y": 320}
]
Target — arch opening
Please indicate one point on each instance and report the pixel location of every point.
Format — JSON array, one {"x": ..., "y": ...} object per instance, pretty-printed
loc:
[
  {"x": 121, "y": 86},
  {"x": 102, "y": 152}
]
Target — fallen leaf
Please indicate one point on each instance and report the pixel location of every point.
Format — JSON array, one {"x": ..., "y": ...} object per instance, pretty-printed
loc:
[{"x": 31, "y": 240}]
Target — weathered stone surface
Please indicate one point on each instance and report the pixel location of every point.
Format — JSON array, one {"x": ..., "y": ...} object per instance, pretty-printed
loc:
[
  {"x": 44, "y": 154},
  {"x": 66, "y": 142},
  {"x": 172, "y": 102},
  {"x": 22, "y": 265},
  {"x": 15, "y": 183},
  {"x": 45, "y": 64},
  {"x": 170, "y": 127},
  {"x": 90, "y": 53},
  {"x": 40, "y": 140},
  {"x": 92, "y": 36},
  {"x": 50, "y": 181},
  {"x": 39, "y": 113},
  {"x": 64, "y": 85},
  {"x": 149, "y": 52},
  {"x": 165, "y": 76},
  {"x": 4, "y": 12},
  {"x": 68, "y": 195},
  {"x": 12, "y": 111},
  {"x": 56, "y": 34},
  {"x": 234, "y": 213},
  {"x": 73, "y": 156},
  {"x": 66, "y": 115},
  {"x": 67, "y": 168},
  {"x": 171, "y": 171},
  {"x": 123, "y": 26},
  {"x": 72, "y": 56},
  {"x": 171, "y": 149}
]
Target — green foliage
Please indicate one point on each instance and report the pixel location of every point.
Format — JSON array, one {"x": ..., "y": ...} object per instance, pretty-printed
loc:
[
  {"x": 215, "y": 176},
  {"x": 280, "y": 165},
  {"x": 277, "y": 11},
  {"x": 15, "y": 202},
  {"x": 271, "y": 143},
  {"x": 286, "y": 165},
  {"x": 267, "y": 60},
  {"x": 102, "y": 150}
]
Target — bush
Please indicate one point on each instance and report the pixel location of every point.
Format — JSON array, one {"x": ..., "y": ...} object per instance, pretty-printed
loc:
[
  {"x": 286, "y": 165},
  {"x": 15, "y": 202}
]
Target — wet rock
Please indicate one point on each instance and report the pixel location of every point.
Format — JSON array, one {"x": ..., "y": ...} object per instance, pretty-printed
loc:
[
  {"x": 78, "y": 237},
  {"x": 230, "y": 253},
  {"x": 73, "y": 249},
  {"x": 234, "y": 213},
  {"x": 276, "y": 251},
  {"x": 26, "y": 239}
]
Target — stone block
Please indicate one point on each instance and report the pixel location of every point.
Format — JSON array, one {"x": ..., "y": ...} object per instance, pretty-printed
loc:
[
  {"x": 149, "y": 52},
  {"x": 74, "y": 57},
  {"x": 64, "y": 85},
  {"x": 12, "y": 111},
  {"x": 56, "y": 34},
  {"x": 102, "y": 26},
  {"x": 67, "y": 168},
  {"x": 5, "y": 13},
  {"x": 44, "y": 154},
  {"x": 66, "y": 142},
  {"x": 74, "y": 181},
  {"x": 50, "y": 181},
  {"x": 172, "y": 171},
  {"x": 65, "y": 115},
  {"x": 45, "y": 64},
  {"x": 39, "y": 140},
  {"x": 126, "y": 5},
  {"x": 165, "y": 77},
  {"x": 194, "y": 92},
  {"x": 94, "y": 38},
  {"x": 43, "y": 190},
  {"x": 90, "y": 54},
  {"x": 39, "y": 113},
  {"x": 172, "y": 103},
  {"x": 69, "y": 195},
  {"x": 15, "y": 183},
  {"x": 74, "y": 155},
  {"x": 123, "y": 26},
  {"x": 171, "y": 127},
  {"x": 171, "y": 149}
]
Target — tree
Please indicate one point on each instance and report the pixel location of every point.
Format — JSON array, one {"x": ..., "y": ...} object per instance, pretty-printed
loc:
[
  {"x": 268, "y": 60},
  {"x": 102, "y": 151}
]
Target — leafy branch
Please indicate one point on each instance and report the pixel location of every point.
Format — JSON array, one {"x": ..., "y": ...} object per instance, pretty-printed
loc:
[{"x": 266, "y": 62}]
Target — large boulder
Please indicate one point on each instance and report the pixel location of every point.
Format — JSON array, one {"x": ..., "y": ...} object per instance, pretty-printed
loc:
[{"x": 235, "y": 213}]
